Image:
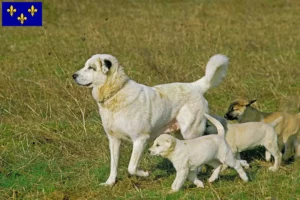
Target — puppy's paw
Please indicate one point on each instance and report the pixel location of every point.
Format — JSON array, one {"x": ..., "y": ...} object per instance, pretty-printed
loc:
[
  {"x": 212, "y": 179},
  {"x": 199, "y": 184},
  {"x": 273, "y": 169},
  {"x": 172, "y": 191},
  {"x": 245, "y": 178},
  {"x": 245, "y": 164},
  {"x": 142, "y": 173}
]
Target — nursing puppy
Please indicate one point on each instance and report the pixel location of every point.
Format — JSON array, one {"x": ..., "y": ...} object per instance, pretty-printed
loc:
[
  {"x": 188, "y": 155},
  {"x": 135, "y": 112},
  {"x": 287, "y": 130}
]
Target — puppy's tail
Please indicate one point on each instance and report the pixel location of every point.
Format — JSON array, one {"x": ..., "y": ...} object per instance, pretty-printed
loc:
[
  {"x": 214, "y": 73},
  {"x": 217, "y": 124},
  {"x": 276, "y": 121}
]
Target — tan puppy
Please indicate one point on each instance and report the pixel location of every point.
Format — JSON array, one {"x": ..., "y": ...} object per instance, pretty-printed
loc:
[
  {"x": 288, "y": 129},
  {"x": 245, "y": 136},
  {"x": 188, "y": 155}
]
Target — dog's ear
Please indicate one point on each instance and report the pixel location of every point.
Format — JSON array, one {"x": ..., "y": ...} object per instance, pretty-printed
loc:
[
  {"x": 251, "y": 102},
  {"x": 106, "y": 65}
]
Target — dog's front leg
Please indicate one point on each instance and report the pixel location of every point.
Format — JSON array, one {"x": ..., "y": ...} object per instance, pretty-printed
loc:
[
  {"x": 181, "y": 176},
  {"x": 137, "y": 151},
  {"x": 114, "y": 147},
  {"x": 192, "y": 176}
]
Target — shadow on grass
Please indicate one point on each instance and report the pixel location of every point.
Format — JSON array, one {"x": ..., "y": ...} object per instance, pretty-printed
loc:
[{"x": 163, "y": 169}]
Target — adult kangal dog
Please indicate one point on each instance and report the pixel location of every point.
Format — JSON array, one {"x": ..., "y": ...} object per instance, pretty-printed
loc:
[
  {"x": 188, "y": 155},
  {"x": 136, "y": 112}
]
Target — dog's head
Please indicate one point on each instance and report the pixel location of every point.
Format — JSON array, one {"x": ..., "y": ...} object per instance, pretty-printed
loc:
[
  {"x": 163, "y": 145},
  {"x": 237, "y": 108},
  {"x": 95, "y": 71}
]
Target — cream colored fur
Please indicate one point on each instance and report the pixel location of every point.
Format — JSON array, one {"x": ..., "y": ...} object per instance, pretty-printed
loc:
[
  {"x": 188, "y": 155},
  {"x": 245, "y": 136},
  {"x": 135, "y": 112}
]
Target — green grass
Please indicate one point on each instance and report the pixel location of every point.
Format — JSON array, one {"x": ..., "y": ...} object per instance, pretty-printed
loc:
[{"x": 52, "y": 145}]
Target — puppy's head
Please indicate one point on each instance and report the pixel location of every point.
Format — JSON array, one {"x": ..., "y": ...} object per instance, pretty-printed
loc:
[
  {"x": 96, "y": 70},
  {"x": 163, "y": 145},
  {"x": 237, "y": 108}
]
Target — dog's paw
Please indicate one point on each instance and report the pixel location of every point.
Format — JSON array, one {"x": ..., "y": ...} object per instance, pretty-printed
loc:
[
  {"x": 199, "y": 184},
  {"x": 172, "y": 191},
  {"x": 212, "y": 179},
  {"x": 273, "y": 168},
  {"x": 245, "y": 164},
  {"x": 107, "y": 183},
  {"x": 245, "y": 178},
  {"x": 142, "y": 173}
]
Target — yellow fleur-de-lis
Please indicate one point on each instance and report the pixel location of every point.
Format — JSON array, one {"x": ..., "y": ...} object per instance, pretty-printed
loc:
[
  {"x": 22, "y": 18},
  {"x": 32, "y": 10},
  {"x": 11, "y": 10}
]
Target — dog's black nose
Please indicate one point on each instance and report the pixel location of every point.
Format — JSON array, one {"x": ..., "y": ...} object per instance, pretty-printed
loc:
[
  {"x": 149, "y": 151},
  {"x": 225, "y": 116},
  {"x": 74, "y": 76}
]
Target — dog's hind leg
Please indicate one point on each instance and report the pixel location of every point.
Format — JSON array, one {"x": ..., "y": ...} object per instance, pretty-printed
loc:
[
  {"x": 217, "y": 168},
  {"x": 193, "y": 177},
  {"x": 268, "y": 156},
  {"x": 137, "y": 151},
  {"x": 232, "y": 162},
  {"x": 191, "y": 126},
  {"x": 289, "y": 149},
  {"x": 272, "y": 147},
  {"x": 114, "y": 147}
]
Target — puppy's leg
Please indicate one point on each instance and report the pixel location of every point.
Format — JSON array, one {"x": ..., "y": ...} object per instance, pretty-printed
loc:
[
  {"x": 272, "y": 147},
  {"x": 216, "y": 173},
  {"x": 181, "y": 176},
  {"x": 193, "y": 177},
  {"x": 297, "y": 148},
  {"x": 114, "y": 147},
  {"x": 232, "y": 162},
  {"x": 268, "y": 156},
  {"x": 236, "y": 154},
  {"x": 137, "y": 151},
  {"x": 289, "y": 149}
]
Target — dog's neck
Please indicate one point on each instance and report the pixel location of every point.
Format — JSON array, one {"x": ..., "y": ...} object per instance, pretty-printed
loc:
[
  {"x": 169, "y": 153},
  {"x": 113, "y": 84},
  {"x": 177, "y": 154},
  {"x": 252, "y": 115}
]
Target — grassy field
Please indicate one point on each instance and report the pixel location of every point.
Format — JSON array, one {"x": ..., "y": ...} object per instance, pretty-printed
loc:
[{"x": 52, "y": 145}]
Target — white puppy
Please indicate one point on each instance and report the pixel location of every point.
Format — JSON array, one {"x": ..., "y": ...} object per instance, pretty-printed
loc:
[
  {"x": 136, "y": 112},
  {"x": 188, "y": 155}
]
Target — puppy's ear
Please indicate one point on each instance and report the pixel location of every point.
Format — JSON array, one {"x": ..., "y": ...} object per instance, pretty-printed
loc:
[
  {"x": 171, "y": 141},
  {"x": 106, "y": 66},
  {"x": 251, "y": 102}
]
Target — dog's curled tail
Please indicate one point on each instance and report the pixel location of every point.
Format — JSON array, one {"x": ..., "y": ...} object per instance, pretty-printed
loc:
[
  {"x": 218, "y": 125},
  {"x": 214, "y": 73},
  {"x": 276, "y": 121}
]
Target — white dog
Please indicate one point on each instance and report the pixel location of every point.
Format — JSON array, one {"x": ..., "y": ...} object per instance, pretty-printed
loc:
[
  {"x": 188, "y": 155},
  {"x": 136, "y": 112}
]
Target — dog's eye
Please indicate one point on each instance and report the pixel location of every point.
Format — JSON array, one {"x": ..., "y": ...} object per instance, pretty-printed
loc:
[
  {"x": 92, "y": 68},
  {"x": 157, "y": 145}
]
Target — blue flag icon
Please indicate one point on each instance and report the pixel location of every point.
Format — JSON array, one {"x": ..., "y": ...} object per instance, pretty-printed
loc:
[{"x": 22, "y": 14}]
